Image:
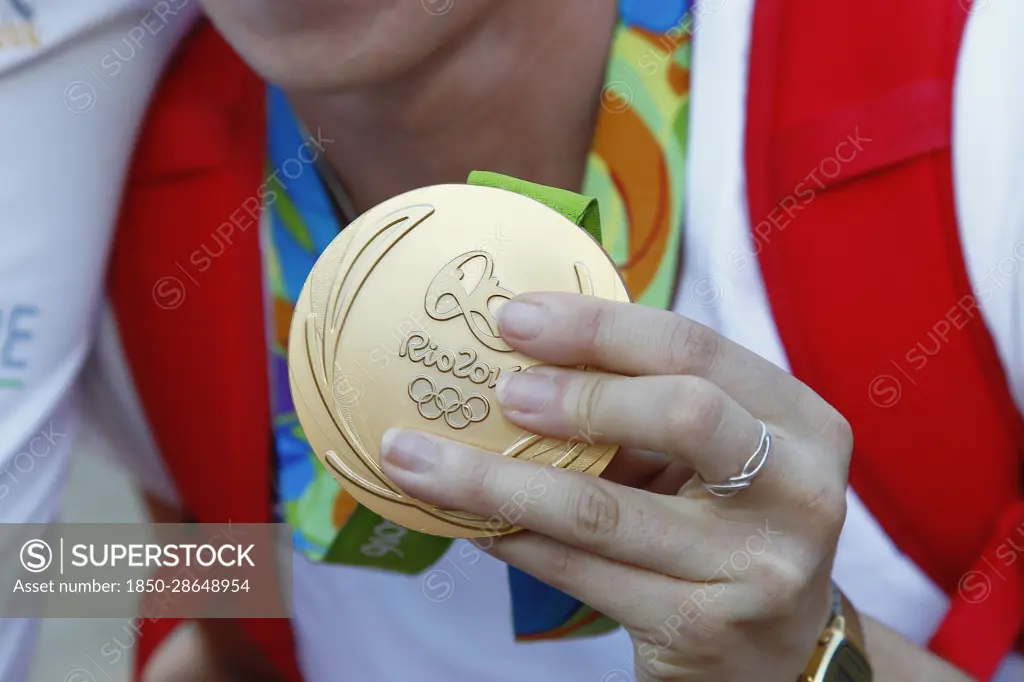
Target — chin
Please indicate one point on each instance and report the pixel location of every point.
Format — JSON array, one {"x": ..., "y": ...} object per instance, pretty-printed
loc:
[{"x": 330, "y": 45}]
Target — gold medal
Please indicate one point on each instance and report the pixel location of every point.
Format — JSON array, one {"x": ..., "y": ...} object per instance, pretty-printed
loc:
[{"x": 395, "y": 327}]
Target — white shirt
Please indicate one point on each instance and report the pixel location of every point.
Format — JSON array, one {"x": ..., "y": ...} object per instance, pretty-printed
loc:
[{"x": 75, "y": 76}]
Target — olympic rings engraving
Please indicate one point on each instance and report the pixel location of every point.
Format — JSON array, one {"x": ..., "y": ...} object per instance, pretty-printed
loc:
[{"x": 458, "y": 411}]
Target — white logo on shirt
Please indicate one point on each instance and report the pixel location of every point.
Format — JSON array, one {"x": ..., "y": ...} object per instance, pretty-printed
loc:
[
  {"x": 15, "y": 334},
  {"x": 17, "y": 25}
]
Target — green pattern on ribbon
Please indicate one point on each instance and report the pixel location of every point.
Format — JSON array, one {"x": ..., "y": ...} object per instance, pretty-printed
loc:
[{"x": 368, "y": 540}]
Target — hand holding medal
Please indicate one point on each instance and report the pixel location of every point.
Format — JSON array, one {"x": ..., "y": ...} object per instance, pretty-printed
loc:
[{"x": 720, "y": 449}]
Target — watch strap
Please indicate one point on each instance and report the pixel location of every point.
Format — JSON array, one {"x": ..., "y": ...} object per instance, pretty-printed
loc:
[
  {"x": 841, "y": 606},
  {"x": 840, "y": 650}
]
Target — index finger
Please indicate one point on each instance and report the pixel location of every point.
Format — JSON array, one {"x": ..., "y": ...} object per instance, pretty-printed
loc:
[
  {"x": 625, "y": 338},
  {"x": 624, "y": 524}
]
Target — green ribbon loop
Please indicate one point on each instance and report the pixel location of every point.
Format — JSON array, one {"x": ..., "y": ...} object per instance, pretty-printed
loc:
[{"x": 581, "y": 210}]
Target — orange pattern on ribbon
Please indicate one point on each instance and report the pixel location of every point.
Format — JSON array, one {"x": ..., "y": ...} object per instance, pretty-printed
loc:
[{"x": 636, "y": 165}]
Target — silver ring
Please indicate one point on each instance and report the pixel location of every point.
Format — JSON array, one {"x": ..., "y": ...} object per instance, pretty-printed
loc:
[{"x": 750, "y": 470}]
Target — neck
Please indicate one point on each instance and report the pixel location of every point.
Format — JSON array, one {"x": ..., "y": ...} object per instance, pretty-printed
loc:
[{"x": 516, "y": 93}]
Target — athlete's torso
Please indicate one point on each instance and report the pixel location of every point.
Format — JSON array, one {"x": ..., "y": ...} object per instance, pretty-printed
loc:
[
  {"x": 454, "y": 622},
  {"x": 465, "y": 600}
]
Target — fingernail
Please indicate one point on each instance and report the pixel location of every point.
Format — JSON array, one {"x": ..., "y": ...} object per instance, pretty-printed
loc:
[
  {"x": 525, "y": 391},
  {"x": 521, "y": 320},
  {"x": 409, "y": 451}
]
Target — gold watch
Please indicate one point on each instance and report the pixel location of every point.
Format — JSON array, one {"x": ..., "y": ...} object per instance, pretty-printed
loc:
[{"x": 840, "y": 655}]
